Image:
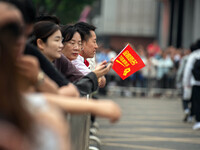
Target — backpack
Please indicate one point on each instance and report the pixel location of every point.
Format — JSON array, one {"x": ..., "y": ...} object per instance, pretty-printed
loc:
[{"x": 196, "y": 70}]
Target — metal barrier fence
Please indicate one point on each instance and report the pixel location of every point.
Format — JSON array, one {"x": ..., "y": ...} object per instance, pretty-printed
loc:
[
  {"x": 80, "y": 124},
  {"x": 80, "y": 132},
  {"x": 79, "y": 128},
  {"x": 149, "y": 92}
]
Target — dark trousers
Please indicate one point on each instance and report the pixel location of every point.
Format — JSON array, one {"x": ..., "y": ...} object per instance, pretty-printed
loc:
[
  {"x": 195, "y": 99},
  {"x": 186, "y": 104}
]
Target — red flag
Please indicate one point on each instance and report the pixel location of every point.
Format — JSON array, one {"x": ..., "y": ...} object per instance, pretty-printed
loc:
[{"x": 127, "y": 62}]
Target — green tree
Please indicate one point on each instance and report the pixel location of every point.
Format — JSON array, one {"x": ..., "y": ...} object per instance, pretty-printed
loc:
[{"x": 68, "y": 11}]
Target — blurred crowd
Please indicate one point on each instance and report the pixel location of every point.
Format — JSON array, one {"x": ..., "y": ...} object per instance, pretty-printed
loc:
[
  {"x": 170, "y": 68},
  {"x": 160, "y": 70}
]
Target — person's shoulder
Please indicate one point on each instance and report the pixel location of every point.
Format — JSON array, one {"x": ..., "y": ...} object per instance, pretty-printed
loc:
[
  {"x": 63, "y": 56},
  {"x": 78, "y": 59},
  {"x": 64, "y": 59},
  {"x": 195, "y": 54}
]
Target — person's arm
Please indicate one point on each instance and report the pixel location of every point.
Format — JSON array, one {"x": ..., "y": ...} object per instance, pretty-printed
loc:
[
  {"x": 188, "y": 70},
  {"x": 45, "y": 84},
  {"x": 69, "y": 90},
  {"x": 87, "y": 84},
  {"x": 65, "y": 87},
  {"x": 28, "y": 69},
  {"x": 102, "y": 108},
  {"x": 46, "y": 65},
  {"x": 102, "y": 81},
  {"x": 179, "y": 74},
  {"x": 103, "y": 68},
  {"x": 100, "y": 70}
]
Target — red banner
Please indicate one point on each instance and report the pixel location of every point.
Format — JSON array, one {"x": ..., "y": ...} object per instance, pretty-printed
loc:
[{"x": 127, "y": 62}]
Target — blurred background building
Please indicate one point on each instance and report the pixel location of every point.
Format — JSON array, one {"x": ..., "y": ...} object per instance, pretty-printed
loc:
[
  {"x": 173, "y": 24},
  {"x": 170, "y": 22},
  {"x": 120, "y": 22}
]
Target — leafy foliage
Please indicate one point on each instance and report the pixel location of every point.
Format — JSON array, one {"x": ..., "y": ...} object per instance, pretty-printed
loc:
[{"x": 68, "y": 11}]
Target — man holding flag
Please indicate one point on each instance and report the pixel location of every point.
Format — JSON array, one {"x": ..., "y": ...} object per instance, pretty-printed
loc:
[
  {"x": 125, "y": 64},
  {"x": 89, "y": 46}
]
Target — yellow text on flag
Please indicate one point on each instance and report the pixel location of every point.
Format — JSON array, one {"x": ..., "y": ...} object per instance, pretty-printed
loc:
[
  {"x": 123, "y": 60},
  {"x": 129, "y": 57}
]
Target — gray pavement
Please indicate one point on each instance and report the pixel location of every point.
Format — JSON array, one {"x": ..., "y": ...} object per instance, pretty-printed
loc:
[{"x": 149, "y": 124}]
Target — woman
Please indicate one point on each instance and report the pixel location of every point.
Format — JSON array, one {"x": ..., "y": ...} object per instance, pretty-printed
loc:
[
  {"x": 15, "y": 120},
  {"x": 72, "y": 42},
  {"x": 25, "y": 119},
  {"x": 72, "y": 48},
  {"x": 48, "y": 39}
]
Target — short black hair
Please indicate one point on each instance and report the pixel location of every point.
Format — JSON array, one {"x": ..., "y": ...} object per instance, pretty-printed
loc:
[
  {"x": 48, "y": 18},
  {"x": 43, "y": 30},
  {"x": 84, "y": 30},
  {"x": 198, "y": 44},
  {"x": 68, "y": 32},
  {"x": 27, "y": 9},
  {"x": 195, "y": 45}
]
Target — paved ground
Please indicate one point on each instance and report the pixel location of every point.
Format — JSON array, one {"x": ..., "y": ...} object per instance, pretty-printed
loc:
[{"x": 149, "y": 124}]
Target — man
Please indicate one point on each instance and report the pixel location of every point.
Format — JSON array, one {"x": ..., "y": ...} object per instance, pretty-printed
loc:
[
  {"x": 89, "y": 47},
  {"x": 189, "y": 81},
  {"x": 185, "y": 91}
]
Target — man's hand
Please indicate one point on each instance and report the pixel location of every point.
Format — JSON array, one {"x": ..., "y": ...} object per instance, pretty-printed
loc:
[
  {"x": 103, "y": 68},
  {"x": 102, "y": 81}
]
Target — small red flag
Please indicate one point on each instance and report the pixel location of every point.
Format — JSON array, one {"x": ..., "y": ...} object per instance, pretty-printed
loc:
[{"x": 127, "y": 62}]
